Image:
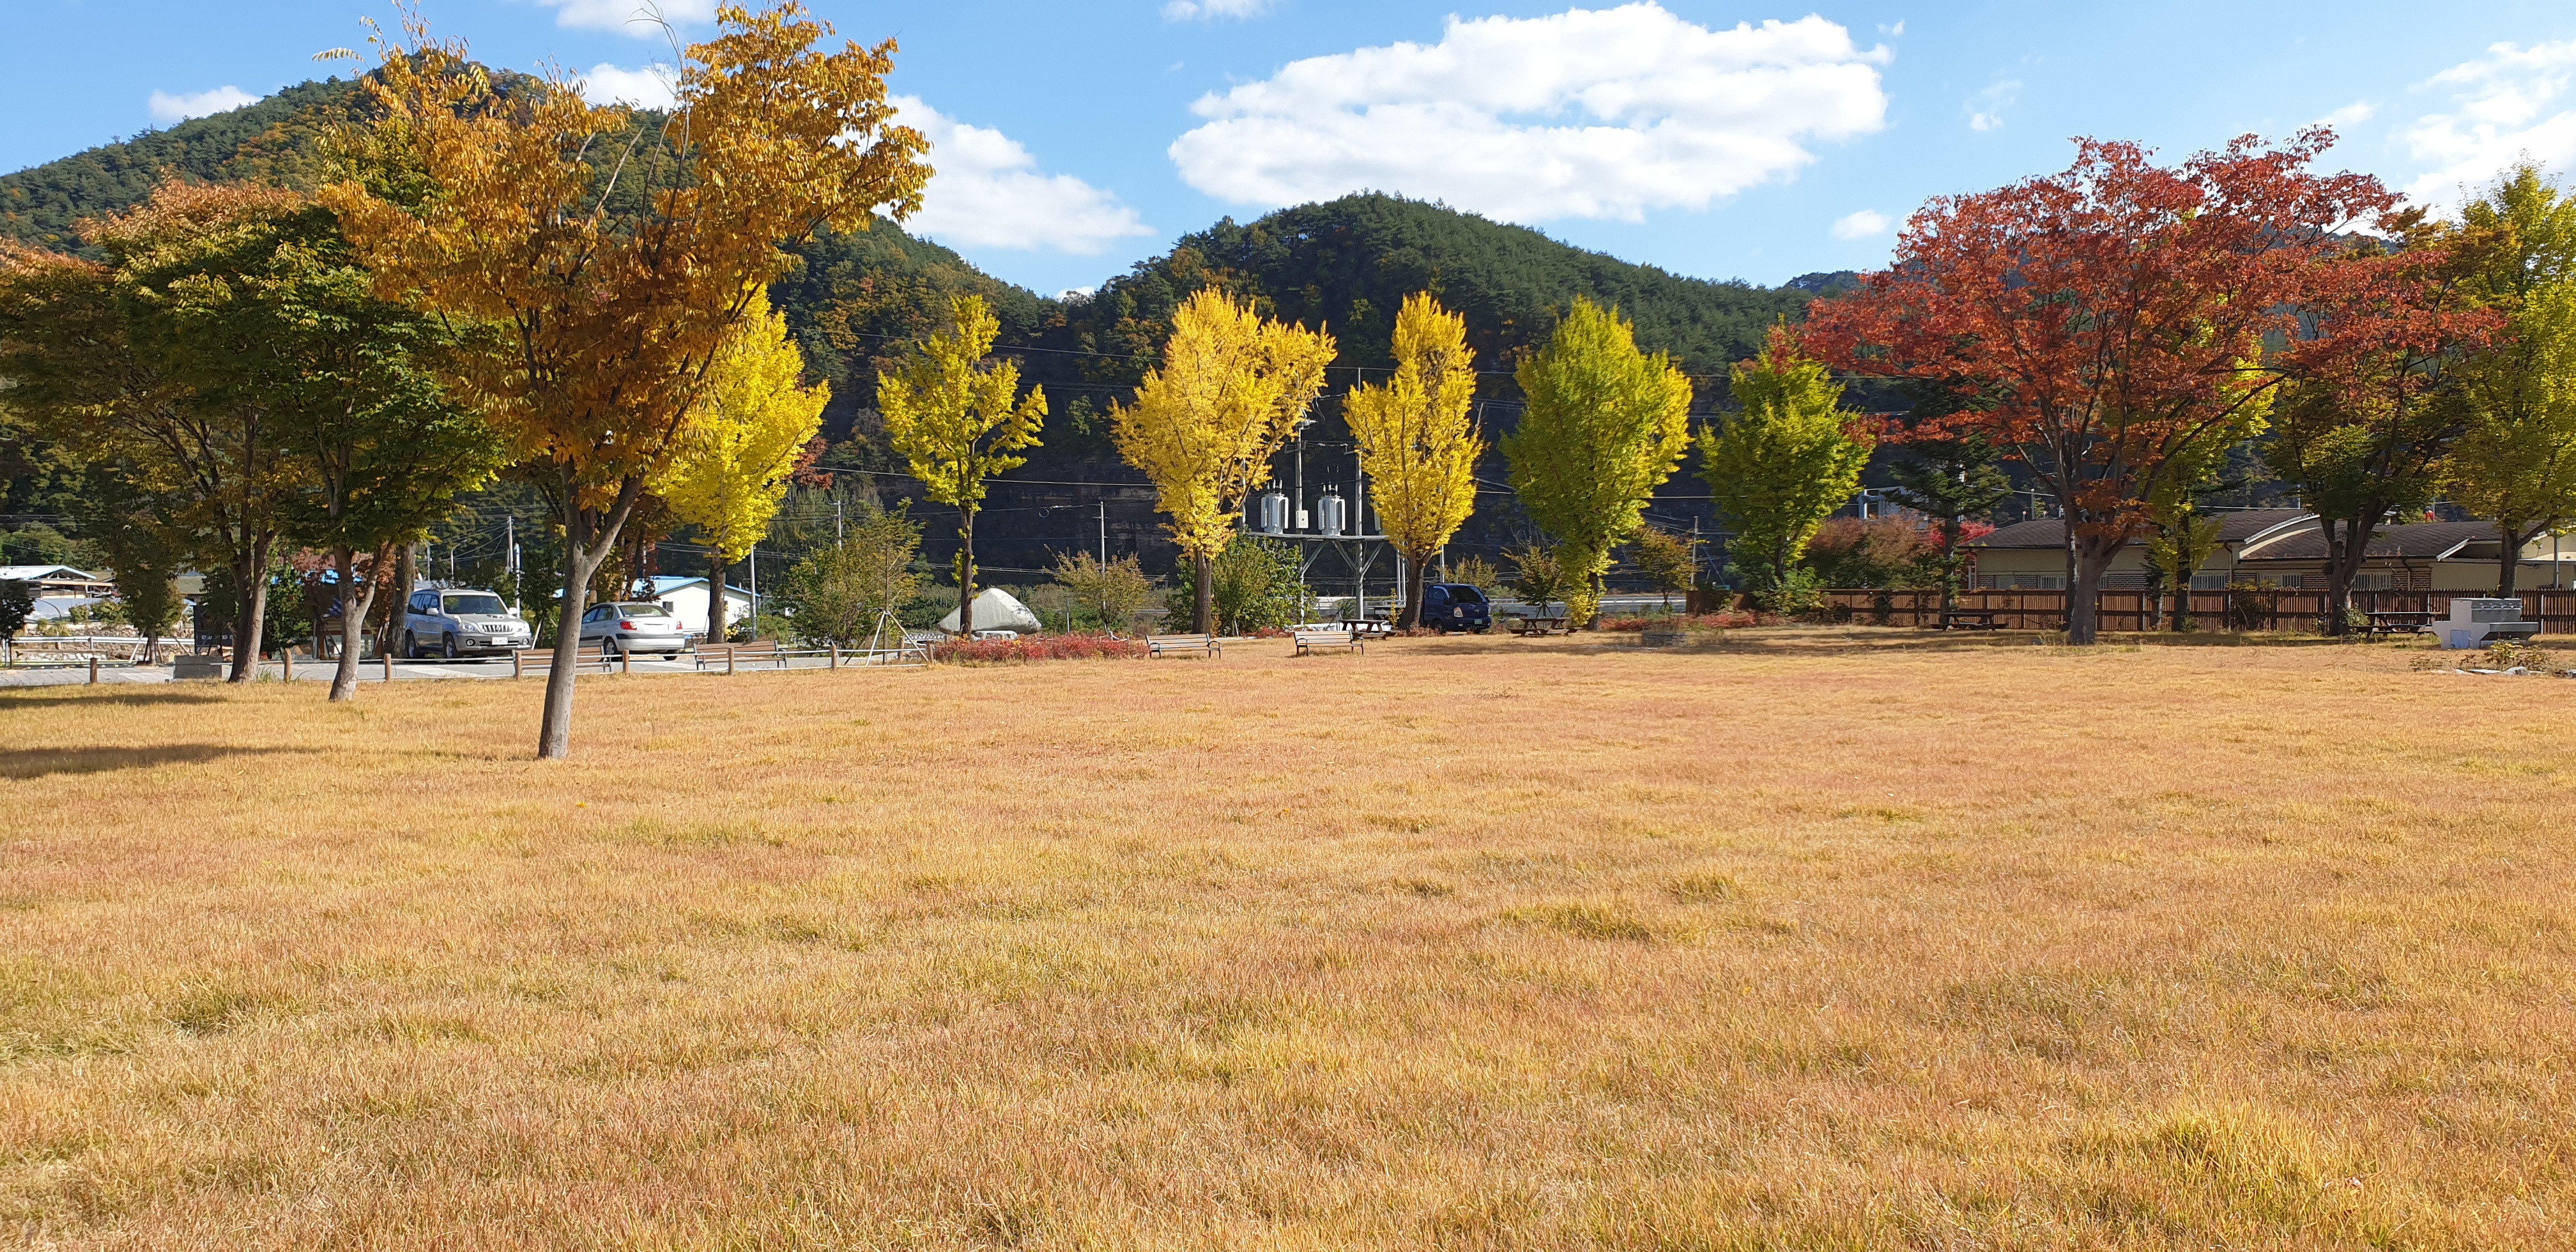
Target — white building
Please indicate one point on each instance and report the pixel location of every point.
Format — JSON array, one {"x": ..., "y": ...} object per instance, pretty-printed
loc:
[{"x": 687, "y": 600}]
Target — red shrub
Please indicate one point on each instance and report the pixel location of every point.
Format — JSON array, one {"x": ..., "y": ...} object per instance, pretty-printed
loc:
[{"x": 1039, "y": 648}]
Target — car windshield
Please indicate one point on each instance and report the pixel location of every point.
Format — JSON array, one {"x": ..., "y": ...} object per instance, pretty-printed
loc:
[
  {"x": 643, "y": 610},
  {"x": 1466, "y": 595},
  {"x": 485, "y": 605}
]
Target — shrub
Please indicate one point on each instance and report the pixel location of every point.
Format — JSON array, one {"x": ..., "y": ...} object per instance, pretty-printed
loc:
[
  {"x": 1038, "y": 648},
  {"x": 1728, "y": 620},
  {"x": 1114, "y": 595},
  {"x": 1256, "y": 588},
  {"x": 1880, "y": 552}
]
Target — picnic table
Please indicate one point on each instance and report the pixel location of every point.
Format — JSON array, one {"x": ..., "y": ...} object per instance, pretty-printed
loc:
[
  {"x": 1970, "y": 619},
  {"x": 2396, "y": 622},
  {"x": 1539, "y": 625}
]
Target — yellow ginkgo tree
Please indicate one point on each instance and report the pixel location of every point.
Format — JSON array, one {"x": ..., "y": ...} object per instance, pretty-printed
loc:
[
  {"x": 1232, "y": 389},
  {"x": 1418, "y": 439},
  {"x": 754, "y": 417},
  {"x": 960, "y": 420}
]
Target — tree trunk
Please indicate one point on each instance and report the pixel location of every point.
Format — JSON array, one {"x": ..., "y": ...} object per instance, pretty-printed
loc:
[
  {"x": 250, "y": 608},
  {"x": 1203, "y": 616},
  {"x": 719, "y": 605},
  {"x": 966, "y": 574},
  {"x": 583, "y": 555},
  {"x": 398, "y": 600},
  {"x": 2088, "y": 559},
  {"x": 353, "y": 622},
  {"x": 2155, "y": 602},
  {"x": 1414, "y": 580},
  {"x": 2508, "y": 561},
  {"x": 2344, "y": 555}
]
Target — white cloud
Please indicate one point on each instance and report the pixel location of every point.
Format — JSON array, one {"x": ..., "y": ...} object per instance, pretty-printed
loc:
[
  {"x": 1862, "y": 225},
  {"x": 987, "y": 193},
  {"x": 1582, "y": 114},
  {"x": 1985, "y": 109},
  {"x": 167, "y": 108},
  {"x": 631, "y": 17},
  {"x": 2510, "y": 104},
  {"x": 2353, "y": 114},
  {"x": 1183, "y": 10},
  {"x": 645, "y": 86}
]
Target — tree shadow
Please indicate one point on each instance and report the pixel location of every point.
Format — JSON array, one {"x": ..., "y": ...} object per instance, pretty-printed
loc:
[
  {"x": 78, "y": 693},
  {"x": 24, "y": 763}
]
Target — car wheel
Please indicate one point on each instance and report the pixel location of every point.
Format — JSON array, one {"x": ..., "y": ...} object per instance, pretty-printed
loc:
[
  {"x": 447, "y": 646},
  {"x": 411, "y": 646}
]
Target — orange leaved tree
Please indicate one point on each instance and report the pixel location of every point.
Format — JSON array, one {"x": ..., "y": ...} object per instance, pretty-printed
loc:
[
  {"x": 601, "y": 254},
  {"x": 2110, "y": 320}
]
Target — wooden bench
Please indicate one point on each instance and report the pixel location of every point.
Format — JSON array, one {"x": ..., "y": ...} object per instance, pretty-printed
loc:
[
  {"x": 1157, "y": 645},
  {"x": 735, "y": 653},
  {"x": 1309, "y": 641},
  {"x": 527, "y": 661},
  {"x": 1538, "y": 625},
  {"x": 1970, "y": 619}
]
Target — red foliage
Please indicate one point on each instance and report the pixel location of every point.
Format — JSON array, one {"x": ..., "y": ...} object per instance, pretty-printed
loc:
[
  {"x": 2110, "y": 316},
  {"x": 1039, "y": 648}
]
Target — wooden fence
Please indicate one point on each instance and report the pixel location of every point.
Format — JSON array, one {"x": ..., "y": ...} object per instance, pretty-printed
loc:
[{"x": 2210, "y": 610}]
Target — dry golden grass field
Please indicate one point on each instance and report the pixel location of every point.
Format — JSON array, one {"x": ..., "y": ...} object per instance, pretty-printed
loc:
[{"x": 1817, "y": 940}]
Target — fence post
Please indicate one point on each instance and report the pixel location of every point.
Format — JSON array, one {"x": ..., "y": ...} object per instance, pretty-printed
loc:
[
  {"x": 836, "y": 657},
  {"x": 626, "y": 660},
  {"x": 286, "y": 658},
  {"x": 728, "y": 660},
  {"x": 515, "y": 657},
  {"x": 93, "y": 671},
  {"x": 388, "y": 658}
]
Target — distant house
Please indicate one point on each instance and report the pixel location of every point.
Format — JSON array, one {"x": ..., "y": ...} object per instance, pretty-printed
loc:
[
  {"x": 687, "y": 600},
  {"x": 2280, "y": 548},
  {"x": 58, "y": 581}
]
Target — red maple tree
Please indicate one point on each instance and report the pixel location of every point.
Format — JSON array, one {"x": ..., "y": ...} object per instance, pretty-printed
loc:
[{"x": 2107, "y": 319}]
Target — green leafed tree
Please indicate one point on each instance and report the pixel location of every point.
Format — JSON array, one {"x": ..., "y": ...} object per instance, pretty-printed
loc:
[
  {"x": 2514, "y": 252},
  {"x": 960, "y": 420},
  {"x": 1785, "y": 461},
  {"x": 1605, "y": 426},
  {"x": 853, "y": 593}
]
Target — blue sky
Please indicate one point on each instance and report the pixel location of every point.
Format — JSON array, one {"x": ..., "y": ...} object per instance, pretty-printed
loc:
[{"x": 1722, "y": 140}]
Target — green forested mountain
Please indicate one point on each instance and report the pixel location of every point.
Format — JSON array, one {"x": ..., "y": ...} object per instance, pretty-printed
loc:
[{"x": 1345, "y": 265}]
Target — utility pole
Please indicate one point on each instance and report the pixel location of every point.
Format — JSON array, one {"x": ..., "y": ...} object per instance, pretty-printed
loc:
[
  {"x": 1104, "y": 530},
  {"x": 836, "y": 521},
  {"x": 510, "y": 556}
]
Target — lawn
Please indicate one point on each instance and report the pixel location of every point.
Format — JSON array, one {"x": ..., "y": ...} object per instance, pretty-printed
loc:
[{"x": 1818, "y": 940}]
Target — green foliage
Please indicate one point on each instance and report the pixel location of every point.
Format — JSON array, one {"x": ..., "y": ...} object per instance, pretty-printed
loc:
[
  {"x": 1798, "y": 591},
  {"x": 1112, "y": 595},
  {"x": 839, "y": 594},
  {"x": 1477, "y": 572},
  {"x": 1605, "y": 426},
  {"x": 17, "y": 602},
  {"x": 1537, "y": 578},
  {"x": 1256, "y": 588},
  {"x": 1879, "y": 552},
  {"x": 1955, "y": 481},
  {"x": 1783, "y": 464},
  {"x": 1664, "y": 558}
]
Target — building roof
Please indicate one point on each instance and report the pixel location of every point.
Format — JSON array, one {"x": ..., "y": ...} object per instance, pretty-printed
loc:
[
  {"x": 665, "y": 584},
  {"x": 35, "y": 573},
  {"x": 2236, "y": 526},
  {"x": 2412, "y": 541}
]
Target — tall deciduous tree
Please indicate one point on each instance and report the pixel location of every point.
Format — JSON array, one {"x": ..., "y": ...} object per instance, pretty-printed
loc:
[
  {"x": 106, "y": 361},
  {"x": 1604, "y": 427},
  {"x": 2114, "y": 315},
  {"x": 607, "y": 254},
  {"x": 1791, "y": 456},
  {"x": 2363, "y": 425},
  {"x": 1232, "y": 389},
  {"x": 960, "y": 420},
  {"x": 2514, "y": 252},
  {"x": 1418, "y": 440},
  {"x": 753, "y": 420}
]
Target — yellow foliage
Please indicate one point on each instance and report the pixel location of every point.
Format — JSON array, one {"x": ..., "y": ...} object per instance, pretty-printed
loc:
[
  {"x": 952, "y": 415},
  {"x": 752, "y": 418},
  {"x": 1417, "y": 431},
  {"x": 1232, "y": 389}
]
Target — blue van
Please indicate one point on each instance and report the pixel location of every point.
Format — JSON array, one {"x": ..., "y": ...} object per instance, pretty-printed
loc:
[{"x": 1456, "y": 606}]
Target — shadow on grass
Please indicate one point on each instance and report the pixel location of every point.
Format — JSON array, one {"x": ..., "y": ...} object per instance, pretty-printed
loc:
[
  {"x": 40, "y": 762},
  {"x": 50, "y": 697},
  {"x": 1881, "y": 640}
]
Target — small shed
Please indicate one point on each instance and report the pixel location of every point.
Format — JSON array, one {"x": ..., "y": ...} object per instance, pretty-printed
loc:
[{"x": 686, "y": 598}]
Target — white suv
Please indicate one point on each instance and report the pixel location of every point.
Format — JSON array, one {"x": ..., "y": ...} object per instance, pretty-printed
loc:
[{"x": 462, "y": 623}]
